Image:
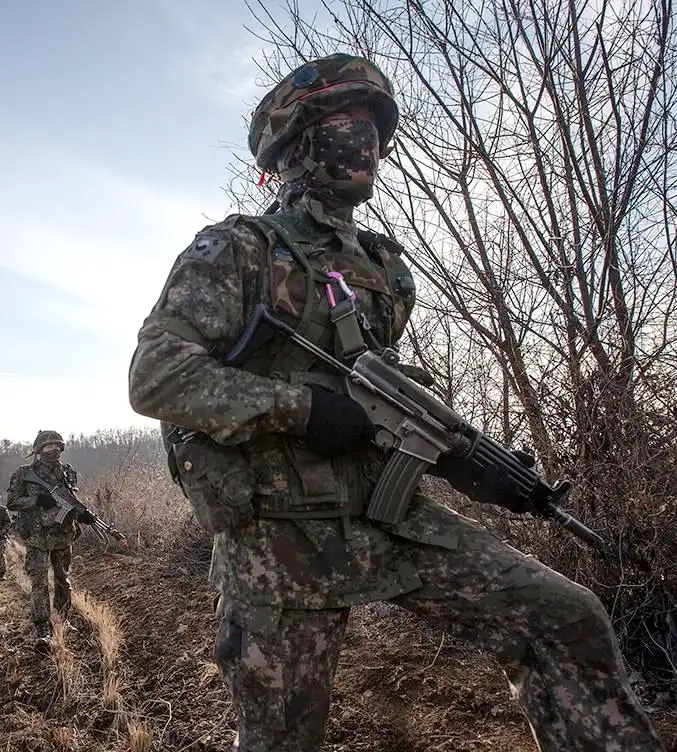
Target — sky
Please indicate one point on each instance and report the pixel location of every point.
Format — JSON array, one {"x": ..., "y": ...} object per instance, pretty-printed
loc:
[{"x": 117, "y": 121}]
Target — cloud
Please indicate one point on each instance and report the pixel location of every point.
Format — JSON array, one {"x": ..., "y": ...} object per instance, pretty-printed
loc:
[
  {"x": 217, "y": 52},
  {"x": 111, "y": 260},
  {"x": 78, "y": 286}
]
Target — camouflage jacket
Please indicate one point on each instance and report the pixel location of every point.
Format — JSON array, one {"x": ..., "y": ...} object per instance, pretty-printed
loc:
[
  {"x": 35, "y": 525},
  {"x": 256, "y": 416},
  {"x": 5, "y": 522}
]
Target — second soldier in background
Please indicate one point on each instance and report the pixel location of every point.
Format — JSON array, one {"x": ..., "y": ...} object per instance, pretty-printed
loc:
[{"x": 49, "y": 543}]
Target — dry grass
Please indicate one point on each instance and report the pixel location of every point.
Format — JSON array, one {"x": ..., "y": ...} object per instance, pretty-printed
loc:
[
  {"x": 68, "y": 672},
  {"x": 13, "y": 676},
  {"x": 105, "y": 625},
  {"x": 141, "y": 501},
  {"x": 139, "y": 736},
  {"x": 63, "y": 738},
  {"x": 209, "y": 672},
  {"x": 27, "y": 730},
  {"x": 111, "y": 695},
  {"x": 106, "y": 628}
]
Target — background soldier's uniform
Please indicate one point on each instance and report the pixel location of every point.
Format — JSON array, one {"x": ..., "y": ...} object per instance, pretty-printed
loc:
[
  {"x": 5, "y": 525},
  {"x": 47, "y": 541},
  {"x": 293, "y": 550}
]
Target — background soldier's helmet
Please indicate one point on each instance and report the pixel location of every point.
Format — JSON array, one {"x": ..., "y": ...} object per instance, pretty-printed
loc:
[
  {"x": 313, "y": 91},
  {"x": 47, "y": 437}
]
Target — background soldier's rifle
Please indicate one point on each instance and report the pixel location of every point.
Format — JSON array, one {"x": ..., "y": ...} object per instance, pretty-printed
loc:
[{"x": 68, "y": 502}]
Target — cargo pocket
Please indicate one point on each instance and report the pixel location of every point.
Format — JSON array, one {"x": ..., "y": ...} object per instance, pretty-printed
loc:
[
  {"x": 27, "y": 523},
  {"x": 296, "y": 483},
  {"x": 218, "y": 483},
  {"x": 247, "y": 654},
  {"x": 315, "y": 478}
]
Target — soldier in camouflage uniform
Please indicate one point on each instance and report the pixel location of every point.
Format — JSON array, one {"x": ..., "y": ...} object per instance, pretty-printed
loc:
[
  {"x": 278, "y": 463},
  {"x": 5, "y": 525},
  {"x": 47, "y": 541}
]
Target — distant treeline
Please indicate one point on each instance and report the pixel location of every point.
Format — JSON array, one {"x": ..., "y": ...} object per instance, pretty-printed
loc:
[{"x": 90, "y": 454}]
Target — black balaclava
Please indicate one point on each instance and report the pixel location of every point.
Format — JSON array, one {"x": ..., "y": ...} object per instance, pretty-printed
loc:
[
  {"x": 326, "y": 158},
  {"x": 50, "y": 456}
]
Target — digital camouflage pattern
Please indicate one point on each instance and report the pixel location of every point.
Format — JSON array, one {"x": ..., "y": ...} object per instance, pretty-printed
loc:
[
  {"x": 36, "y": 526},
  {"x": 5, "y": 526},
  {"x": 313, "y": 91},
  {"x": 292, "y": 548},
  {"x": 47, "y": 437},
  {"x": 287, "y": 584},
  {"x": 338, "y": 158},
  {"x": 556, "y": 647},
  {"x": 289, "y": 668},
  {"x": 46, "y": 540},
  {"x": 37, "y": 563}
]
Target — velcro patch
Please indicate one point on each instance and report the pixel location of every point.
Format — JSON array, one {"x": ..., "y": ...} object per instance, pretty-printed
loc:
[
  {"x": 283, "y": 254},
  {"x": 205, "y": 247}
]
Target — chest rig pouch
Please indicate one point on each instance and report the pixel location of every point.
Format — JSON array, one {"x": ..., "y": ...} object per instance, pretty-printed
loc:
[{"x": 344, "y": 303}]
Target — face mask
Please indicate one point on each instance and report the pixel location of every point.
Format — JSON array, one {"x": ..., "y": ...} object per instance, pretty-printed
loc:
[
  {"x": 50, "y": 456},
  {"x": 346, "y": 149}
]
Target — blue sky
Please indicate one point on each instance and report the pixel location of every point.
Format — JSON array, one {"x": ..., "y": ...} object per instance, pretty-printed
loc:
[{"x": 114, "y": 119}]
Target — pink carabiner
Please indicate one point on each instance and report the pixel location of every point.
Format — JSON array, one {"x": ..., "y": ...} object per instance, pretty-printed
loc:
[
  {"x": 330, "y": 295},
  {"x": 342, "y": 284}
]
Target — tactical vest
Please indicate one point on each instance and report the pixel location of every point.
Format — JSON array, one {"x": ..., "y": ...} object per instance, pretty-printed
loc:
[
  {"x": 291, "y": 481},
  {"x": 294, "y": 286}
]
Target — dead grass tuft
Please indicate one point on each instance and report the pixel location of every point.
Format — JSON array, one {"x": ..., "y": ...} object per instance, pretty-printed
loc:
[
  {"x": 111, "y": 695},
  {"x": 62, "y": 737},
  {"x": 139, "y": 735},
  {"x": 105, "y": 625},
  {"x": 67, "y": 669},
  {"x": 209, "y": 672},
  {"x": 106, "y": 628},
  {"x": 13, "y": 676}
]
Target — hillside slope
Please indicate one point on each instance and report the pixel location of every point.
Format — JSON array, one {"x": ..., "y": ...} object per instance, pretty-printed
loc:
[{"x": 138, "y": 674}]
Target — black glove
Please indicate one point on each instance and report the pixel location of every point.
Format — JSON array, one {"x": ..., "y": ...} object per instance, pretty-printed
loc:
[
  {"x": 86, "y": 517},
  {"x": 490, "y": 485},
  {"x": 337, "y": 423},
  {"x": 45, "y": 501}
]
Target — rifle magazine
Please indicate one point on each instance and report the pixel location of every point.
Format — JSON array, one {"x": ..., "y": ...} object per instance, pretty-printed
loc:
[{"x": 398, "y": 482}]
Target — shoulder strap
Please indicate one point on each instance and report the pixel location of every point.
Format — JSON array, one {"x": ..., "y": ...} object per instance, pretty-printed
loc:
[
  {"x": 371, "y": 241},
  {"x": 289, "y": 358}
]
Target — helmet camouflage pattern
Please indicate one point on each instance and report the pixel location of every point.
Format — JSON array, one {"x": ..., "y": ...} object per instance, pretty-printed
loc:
[
  {"x": 47, "y": 437},
  {"x": 312, "y": 92}
]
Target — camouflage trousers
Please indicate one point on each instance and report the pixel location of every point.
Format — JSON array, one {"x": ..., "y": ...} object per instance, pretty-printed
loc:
[
  {"x": 553, "y": 639},
  {"x": 37, "y": 568},
  {"x": 3, "y": 562}
]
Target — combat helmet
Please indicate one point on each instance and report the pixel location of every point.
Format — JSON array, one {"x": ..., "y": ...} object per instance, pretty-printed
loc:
[
  {"x": 313, "y": 91},
  {"x": 47, "y": 437}
]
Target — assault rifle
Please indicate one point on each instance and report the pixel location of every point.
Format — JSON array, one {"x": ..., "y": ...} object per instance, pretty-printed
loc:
[
  {"x": 419, "y": 428},
  {"x": 68, "y": 502}
]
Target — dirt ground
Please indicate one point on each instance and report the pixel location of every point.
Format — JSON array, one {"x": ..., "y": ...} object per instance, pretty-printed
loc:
[{"x": 138, "y": 673}]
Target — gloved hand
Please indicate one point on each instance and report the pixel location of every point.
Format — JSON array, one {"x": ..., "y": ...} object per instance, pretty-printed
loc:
[
  {"x": 86, "y": 517},
  {"x": 337, "y": 423},
  {"x": 45, "y": 501},
  {"x": 491, "y": 485}
]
